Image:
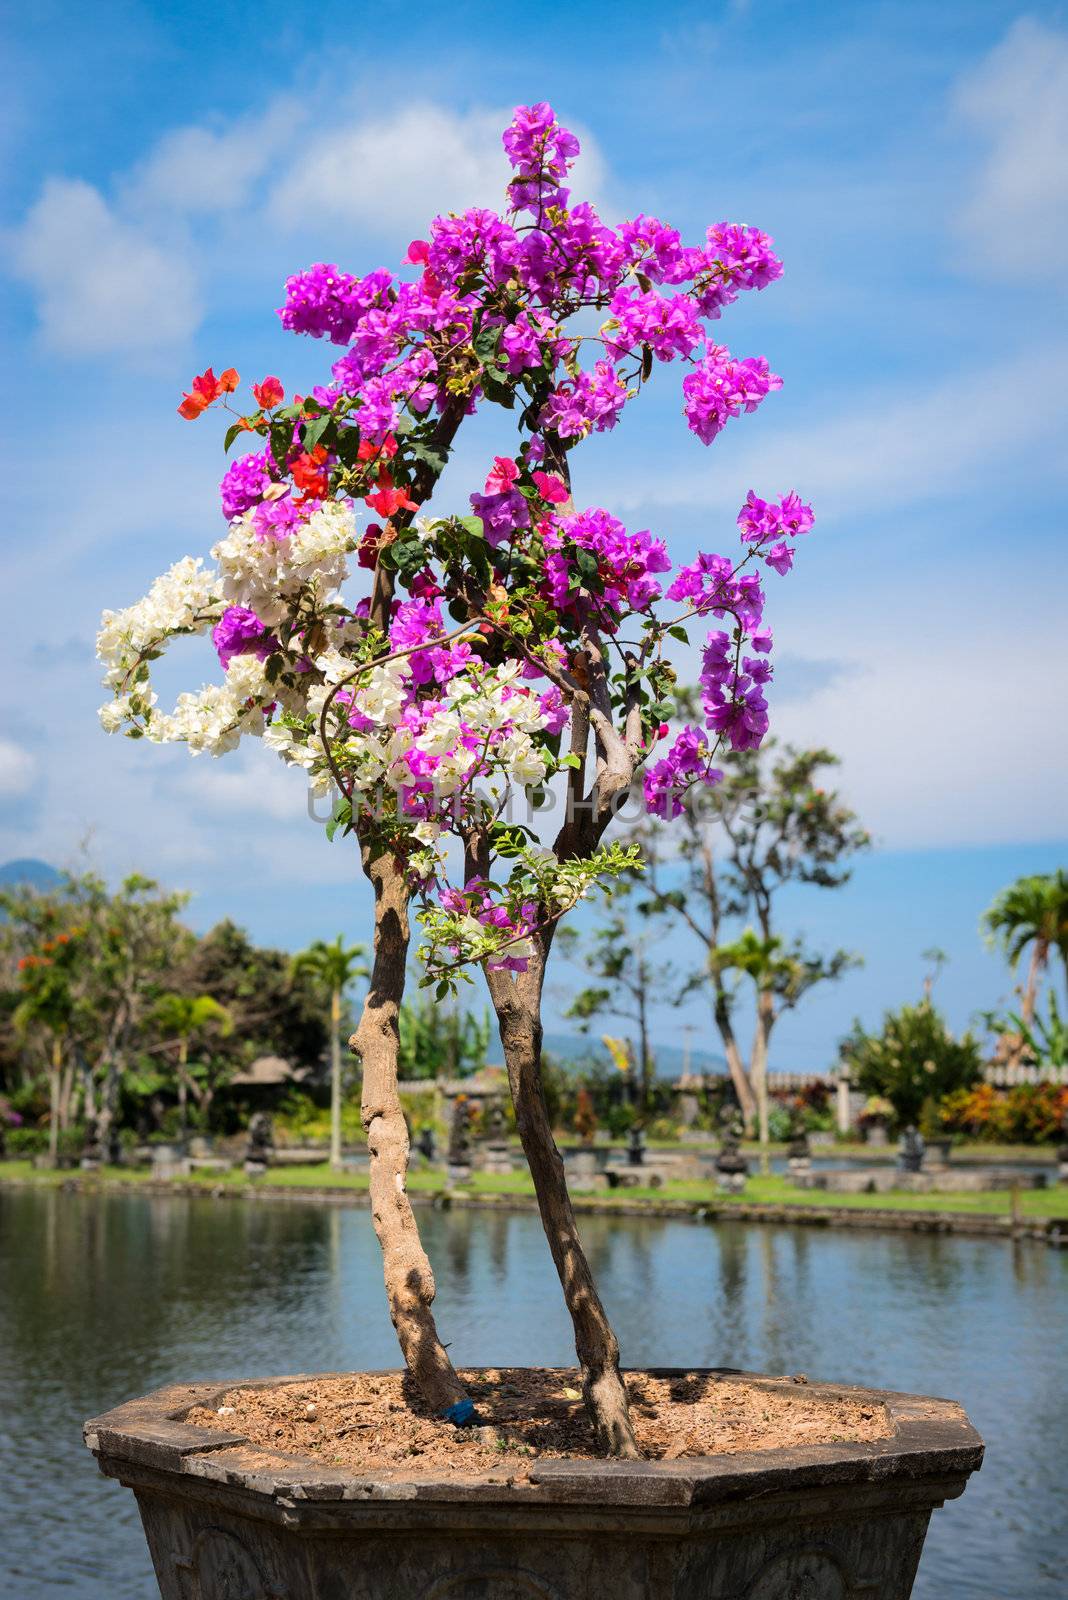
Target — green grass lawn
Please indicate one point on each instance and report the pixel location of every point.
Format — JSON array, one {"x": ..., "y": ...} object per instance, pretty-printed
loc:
[{"x": 771, "y": 1190}]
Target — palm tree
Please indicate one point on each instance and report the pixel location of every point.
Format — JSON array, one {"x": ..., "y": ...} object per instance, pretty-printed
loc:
[
  {"x": 336, "y": 965},
  {"x": 182, "y": 1017},
  {"x": 1032, "y": 911}
]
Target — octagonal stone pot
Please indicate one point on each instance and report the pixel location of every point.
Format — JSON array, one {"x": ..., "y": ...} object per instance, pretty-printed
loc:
[{"x": 226, "y": 1520}]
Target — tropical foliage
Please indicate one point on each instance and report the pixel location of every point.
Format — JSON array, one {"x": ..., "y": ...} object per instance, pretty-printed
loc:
[{"x": 912, "y": 1060}]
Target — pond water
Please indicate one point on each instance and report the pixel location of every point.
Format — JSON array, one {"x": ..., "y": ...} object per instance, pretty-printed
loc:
[{"x": 105, "y": 1297}]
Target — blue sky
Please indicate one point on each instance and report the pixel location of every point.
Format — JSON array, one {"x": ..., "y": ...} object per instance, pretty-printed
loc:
[{"x": 164, "y": 168}]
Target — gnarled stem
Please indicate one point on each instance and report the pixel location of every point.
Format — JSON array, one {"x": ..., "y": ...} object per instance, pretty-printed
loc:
[
  {"x": 517, "y": 1002},
  {"x": 410, "y": 1286}
]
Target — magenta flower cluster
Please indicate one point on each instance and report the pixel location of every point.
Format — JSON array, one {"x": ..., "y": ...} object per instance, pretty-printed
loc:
[
  {"x": 563, "y": 258},
  {"x": 550, "y": 311}
]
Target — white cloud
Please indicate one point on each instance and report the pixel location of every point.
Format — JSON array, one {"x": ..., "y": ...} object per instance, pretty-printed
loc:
[
  {"x": 898, "y": 447},
  {"x": 101, "y": 283},
  {"x": 253, "y": 784},
  {"x": 943, "y": 743},
  {"x": 397, "y": 172},
  {"x": 123, "y": 274},
  {"x": 212, "y": 169},
  {"x": 17, "y": 770},
  {"x": 1016, "y": 217}
]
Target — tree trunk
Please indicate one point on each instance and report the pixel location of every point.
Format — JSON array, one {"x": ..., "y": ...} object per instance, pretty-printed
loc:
[
  {"x": 759, "y": 1068},
  {"x": 647, "y": 1055},
  {"x": 53, "y": 1100},
  {"x": 183, "y": 1088},
  {"x": 739, "y": 1077},
  {"x": 518, "y": 1006},
  {"x": 1039, "y": 957},
  {"x": 66, "y": 1090},
  {"x": 335, "y": 1081},
  {"x": 410, "y": 1285}
]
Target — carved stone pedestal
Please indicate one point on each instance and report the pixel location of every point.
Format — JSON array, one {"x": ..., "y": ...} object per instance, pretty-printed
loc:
[{"x": 226, "y": 1520}]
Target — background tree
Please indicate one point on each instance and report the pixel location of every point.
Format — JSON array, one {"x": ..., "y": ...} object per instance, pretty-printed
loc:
[
  {"x": 1033, "y": 912},
  {"x": 618, "y": 956},
  {"x": 277, "y": 1010},
  {"x": 48, "y": 1007},
  {"x": 770, "y": 823},
  {"x": 912, "y": 1060},
  {"x": 780, "y": 977},
  {"x": 336, "y": 965},
  {"x": 130, "y": 943},
  {"x": 441, "y": 1041},
  {"x": 184, "y": 1020}
]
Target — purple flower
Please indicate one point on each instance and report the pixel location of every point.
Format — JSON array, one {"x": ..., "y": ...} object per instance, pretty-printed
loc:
[
  {"x": 667, "y": 323},
  {"x": 761, "y": 520},
  {"x": 501, "y": 514},
  {"x": 239, "y": 632},
  {"x": 781, "y": 557},
  {"x": 719, "y": 387},
  {"x": 541, "y": 151},
  {"x": 328, "y": 303},
  {"x": 591, "y": 402},
  {"x": 277, "y": 519},
  {"x": 667, "y": 780},
  {"x": 476, "y": 241},
  {"x": 246, "y": 481}
]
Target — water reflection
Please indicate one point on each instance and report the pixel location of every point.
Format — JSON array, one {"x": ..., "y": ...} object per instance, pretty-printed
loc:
[{"x": 103, "y": 1298}]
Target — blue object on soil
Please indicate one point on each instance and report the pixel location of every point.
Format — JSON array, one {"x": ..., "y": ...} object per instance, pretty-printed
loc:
[{"x": 461, "y": 1413}]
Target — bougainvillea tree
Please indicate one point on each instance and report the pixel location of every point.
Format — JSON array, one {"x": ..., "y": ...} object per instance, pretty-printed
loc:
[{"x": 442, "y": 672}]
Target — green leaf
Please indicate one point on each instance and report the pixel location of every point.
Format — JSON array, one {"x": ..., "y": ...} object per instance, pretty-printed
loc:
[
  {"x": 231, "y": 434},
  {"x": 342, "y": 818},
  {"x": 497, "y": 387},
  {"x": 434, "y": 459},
  {"x": 680, "y": 634},
  {"x": 281, "y": 443},
  {"x": 314, "y": 430}
]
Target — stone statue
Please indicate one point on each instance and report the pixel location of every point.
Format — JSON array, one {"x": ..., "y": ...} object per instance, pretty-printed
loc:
[
  {"x": 636, "y": 1147},
  {"x": 260, "y": 1144},
  {"x": 426, "y": 1144},
  {"x": 92, "y": 1150},
  {"x": 911, "y": 1150},
  {"x": 496, "y": 1155},
  {"x": 732, "y": 1168},
  {"x": 459, "y": 1157}
]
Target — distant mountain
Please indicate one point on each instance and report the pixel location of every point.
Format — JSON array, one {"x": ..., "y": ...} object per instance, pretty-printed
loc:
[
  {"x": 29, "y": 873},
  {"x": 572, "y": 1048}
]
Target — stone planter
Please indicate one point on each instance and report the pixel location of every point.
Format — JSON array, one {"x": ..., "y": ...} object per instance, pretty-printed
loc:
[{"x": 229, "y": 1521}]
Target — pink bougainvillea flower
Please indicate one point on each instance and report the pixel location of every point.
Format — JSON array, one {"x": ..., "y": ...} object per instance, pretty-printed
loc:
[
  {"x": 550, "y": 487},
  {"x": 205, "y": 390},
  {"x": 502, "y": 475}
]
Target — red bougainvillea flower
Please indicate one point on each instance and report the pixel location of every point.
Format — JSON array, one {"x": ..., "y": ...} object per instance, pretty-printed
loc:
[
  {"x": 268, "y": 394},
  {"x": 418, "y": 252},
  {"x": 387, "y": 499},
  {"x": 311, "y": 474},
  {"x": 369, "y": 451},
  {"x": 369, "y": 546},
  {"x": 205, "y": 390}
]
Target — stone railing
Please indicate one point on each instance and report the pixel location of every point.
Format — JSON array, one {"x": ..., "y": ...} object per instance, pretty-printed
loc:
[{"x": 1005, "y": 1077}]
